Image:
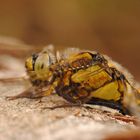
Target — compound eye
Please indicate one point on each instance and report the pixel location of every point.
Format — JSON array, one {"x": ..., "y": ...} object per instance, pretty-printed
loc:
[
  {"x": 42, "y": 61},
  {"x": 30, "y": 62}
]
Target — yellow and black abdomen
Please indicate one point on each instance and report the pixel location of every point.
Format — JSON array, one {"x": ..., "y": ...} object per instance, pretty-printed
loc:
[
  {"x": 98, "y": 82},
  {"x": 94, "y": 82},
  {"x": 98, "y": 87}
]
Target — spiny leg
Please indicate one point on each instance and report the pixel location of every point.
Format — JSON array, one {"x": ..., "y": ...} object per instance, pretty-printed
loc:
[
  {"x": 71, "y": 95},
  {"x": 72, "y": 102},
  {"x": 68, "y": 105}
]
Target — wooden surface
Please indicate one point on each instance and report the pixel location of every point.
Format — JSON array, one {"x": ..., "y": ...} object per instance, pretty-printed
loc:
[{"x": 27, "y": 119}]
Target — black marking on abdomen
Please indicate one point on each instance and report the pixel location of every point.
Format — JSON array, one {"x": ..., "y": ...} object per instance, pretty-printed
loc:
[{"x": 110, "y": 103}]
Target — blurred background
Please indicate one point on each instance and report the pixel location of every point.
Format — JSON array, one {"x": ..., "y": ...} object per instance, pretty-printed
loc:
[{"x": 108, "y": 26}]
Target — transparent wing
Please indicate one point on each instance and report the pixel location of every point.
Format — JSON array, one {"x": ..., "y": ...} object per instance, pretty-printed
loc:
[
  {"x": 16, "y": 48},
  {"x": 11, "y": 67},
  {"x": 66, "y": 53}
]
